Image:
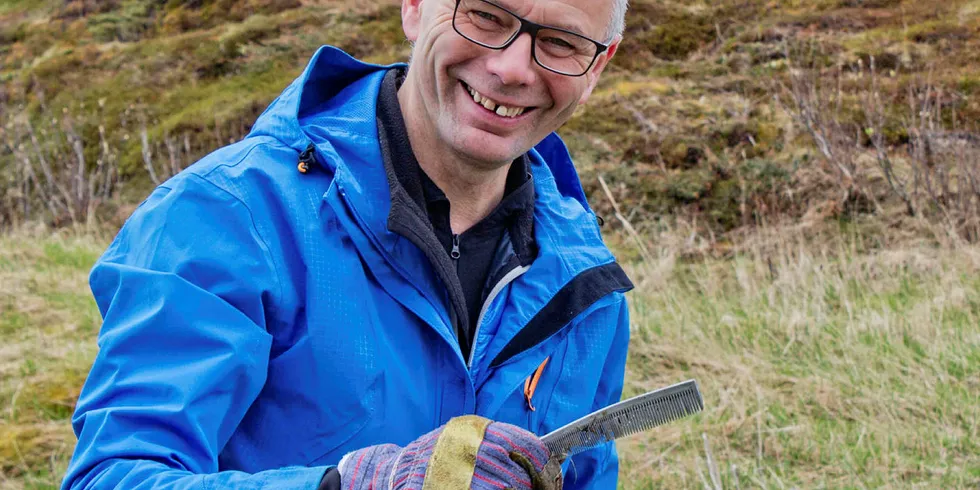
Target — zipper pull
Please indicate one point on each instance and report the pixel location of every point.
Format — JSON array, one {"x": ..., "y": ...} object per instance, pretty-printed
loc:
[
  {"x": 306, "y": 158},
  {"x": 455, "y": 253},
  {"x": 531, "y": 383}
]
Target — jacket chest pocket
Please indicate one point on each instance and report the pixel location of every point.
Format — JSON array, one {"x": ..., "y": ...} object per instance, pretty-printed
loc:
[{"x": 534, "y": 385}]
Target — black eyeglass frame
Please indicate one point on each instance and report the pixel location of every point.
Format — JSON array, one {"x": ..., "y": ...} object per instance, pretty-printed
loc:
[{"x": 532, "y": 29}]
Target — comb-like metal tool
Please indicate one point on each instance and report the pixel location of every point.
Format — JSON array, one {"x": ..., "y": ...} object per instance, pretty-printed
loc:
[{"x": 626, "y": 418}]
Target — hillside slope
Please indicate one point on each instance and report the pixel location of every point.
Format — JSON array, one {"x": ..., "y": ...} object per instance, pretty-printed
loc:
[
  {"x": 827, "y": 362},
  {"x": 684, "y": 123}
]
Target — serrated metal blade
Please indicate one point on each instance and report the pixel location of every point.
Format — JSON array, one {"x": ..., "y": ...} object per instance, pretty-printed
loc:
[{"x": 625, "y": 418}]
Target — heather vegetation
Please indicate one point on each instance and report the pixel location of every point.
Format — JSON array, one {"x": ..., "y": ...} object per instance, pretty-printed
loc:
[
  {"x": 722, "y": 114},
  {"x": 793, "y": 184}
]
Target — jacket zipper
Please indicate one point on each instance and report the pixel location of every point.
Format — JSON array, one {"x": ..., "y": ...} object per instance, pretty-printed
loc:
[
  {"x": 455, "y": 253},
  {"x": 497, "y": 288}
]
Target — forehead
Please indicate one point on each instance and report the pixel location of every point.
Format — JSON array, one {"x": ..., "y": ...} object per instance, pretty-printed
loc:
[{"x": 589, "y": 17}]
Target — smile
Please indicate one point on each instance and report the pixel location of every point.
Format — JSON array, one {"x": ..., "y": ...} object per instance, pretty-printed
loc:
[{"x": 494, "y": 106}]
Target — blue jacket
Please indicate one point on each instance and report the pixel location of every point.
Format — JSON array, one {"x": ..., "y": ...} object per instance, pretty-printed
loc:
[{"x": 261, "y": 322}]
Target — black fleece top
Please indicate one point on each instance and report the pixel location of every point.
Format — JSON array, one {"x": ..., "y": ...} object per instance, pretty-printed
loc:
[{"x": 474, "y": 250}]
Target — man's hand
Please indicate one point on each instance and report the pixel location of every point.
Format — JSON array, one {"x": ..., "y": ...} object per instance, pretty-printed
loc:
[{"x": 468, "y": 452}]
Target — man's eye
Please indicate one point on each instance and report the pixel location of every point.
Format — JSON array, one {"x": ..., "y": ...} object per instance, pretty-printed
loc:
[
  {"x": 487, "y": 16},
  {"x": 559, "y": 43}
]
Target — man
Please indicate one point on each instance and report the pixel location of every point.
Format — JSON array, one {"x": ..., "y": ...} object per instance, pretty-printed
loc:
[{"x": 390, "y": 260}]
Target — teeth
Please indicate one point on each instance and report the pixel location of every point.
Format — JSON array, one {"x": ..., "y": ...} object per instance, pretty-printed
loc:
[{"x": 490, "y": 105}]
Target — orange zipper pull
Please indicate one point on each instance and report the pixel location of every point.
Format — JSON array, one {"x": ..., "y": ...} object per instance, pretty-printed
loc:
[{"x": 531, "y": 383}]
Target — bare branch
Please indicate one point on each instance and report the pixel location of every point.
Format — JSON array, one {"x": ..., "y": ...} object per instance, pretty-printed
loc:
[
  {"x": 173, "y": 151},
  {"x": 148, "y": 156},
  {"x": 50, "y": 181}
]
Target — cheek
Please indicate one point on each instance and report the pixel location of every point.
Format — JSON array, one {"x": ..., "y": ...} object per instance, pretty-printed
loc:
[
  {"x": 440, "y": 38},
  {"x": 446, "y": 57},
  {"x": 458, "y": 54},
  {"x": 566, "y": 95}
]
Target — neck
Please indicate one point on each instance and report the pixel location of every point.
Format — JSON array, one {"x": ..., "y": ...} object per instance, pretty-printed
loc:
[{"x": 474, "y": 188}]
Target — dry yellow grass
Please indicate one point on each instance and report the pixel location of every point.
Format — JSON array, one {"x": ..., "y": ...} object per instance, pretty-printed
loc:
[
  {"x": 48, "y": 324},
  {"x": 824, "y": 365},
  {"x": 830, "y": 363}
]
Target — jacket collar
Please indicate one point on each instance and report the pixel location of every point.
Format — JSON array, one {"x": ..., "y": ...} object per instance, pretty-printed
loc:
[
  {"x": 331, "y": 86},
  {"x": 333, "y": 105}
]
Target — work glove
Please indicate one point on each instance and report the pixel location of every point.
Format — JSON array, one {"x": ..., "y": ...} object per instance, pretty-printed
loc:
[{"x": 468, "y": 452}]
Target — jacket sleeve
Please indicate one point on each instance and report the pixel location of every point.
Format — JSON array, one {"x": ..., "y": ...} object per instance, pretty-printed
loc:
[
  {"x": 598, "y": 469},
  {"x": 184, "y": 291}
]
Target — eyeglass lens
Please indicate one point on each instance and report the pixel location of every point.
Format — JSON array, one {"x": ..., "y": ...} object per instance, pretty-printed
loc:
[{"x": 493, "y": 27}]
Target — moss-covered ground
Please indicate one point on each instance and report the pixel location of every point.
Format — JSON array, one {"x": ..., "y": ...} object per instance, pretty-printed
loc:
[{"x": 684, "y": 122}]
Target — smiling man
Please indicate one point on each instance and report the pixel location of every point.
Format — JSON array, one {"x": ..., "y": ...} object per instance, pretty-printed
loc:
[{"x": 393, "y": 282}]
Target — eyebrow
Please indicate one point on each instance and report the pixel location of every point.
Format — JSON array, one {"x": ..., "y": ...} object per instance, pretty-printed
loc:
[
  {"x": 575, "y": 28},
  {"x": 570, "y": 27}
]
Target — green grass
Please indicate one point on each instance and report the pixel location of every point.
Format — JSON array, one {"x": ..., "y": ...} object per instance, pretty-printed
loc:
[
  {"x": 822, "y": 365},
  {"x": 207, "y": 77},
  {"x": 829, "y": 368},
  {"x": 48, "y": 323},
  {"x": 25, "y": 6},
  {"x": 843, "y": 366}
]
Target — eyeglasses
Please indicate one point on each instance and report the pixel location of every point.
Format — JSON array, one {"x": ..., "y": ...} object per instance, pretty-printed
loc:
[{"x": 558, "y": 50}]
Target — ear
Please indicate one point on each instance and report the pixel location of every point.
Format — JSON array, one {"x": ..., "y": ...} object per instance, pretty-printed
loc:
[
  {"x": 411, "y": 18},
  {"x": 597, "y": 67}
]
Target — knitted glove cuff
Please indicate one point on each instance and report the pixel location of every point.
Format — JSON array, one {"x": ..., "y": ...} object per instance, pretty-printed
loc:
[{"x": 368, "y": 468}]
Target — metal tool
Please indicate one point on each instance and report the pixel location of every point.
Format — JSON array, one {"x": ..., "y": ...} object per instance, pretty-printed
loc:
[{"x": 626, "y": 418}]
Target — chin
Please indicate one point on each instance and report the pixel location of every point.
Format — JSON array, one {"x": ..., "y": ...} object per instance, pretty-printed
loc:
[
  {"x": 486, "y": 147},
  {"x": 490, "y": 159},
  {"x": 491, "y": 150}
]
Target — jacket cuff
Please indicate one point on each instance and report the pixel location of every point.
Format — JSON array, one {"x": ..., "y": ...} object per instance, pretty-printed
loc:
[{"x": 330, "y": 480}]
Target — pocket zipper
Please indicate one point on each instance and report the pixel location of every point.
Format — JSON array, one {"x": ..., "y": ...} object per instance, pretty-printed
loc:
[{"x": 531, "y": 383}]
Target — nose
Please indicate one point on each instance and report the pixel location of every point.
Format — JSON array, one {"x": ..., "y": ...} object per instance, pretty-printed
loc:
[{"x": 513, "y": 65}]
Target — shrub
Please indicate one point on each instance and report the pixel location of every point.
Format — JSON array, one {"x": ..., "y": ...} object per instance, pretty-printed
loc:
[
  {"x": 128, "y": 23},
  {"x": 12, "y": 33},
  {"x": 81, "y": 8},
  {"x": 254, "y": 29},
  {"x": 656, "y": 32},
  {"x": 679, "y": 35}
]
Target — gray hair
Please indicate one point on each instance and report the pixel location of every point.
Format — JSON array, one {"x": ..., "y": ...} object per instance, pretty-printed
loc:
[{"x": 618, "y": 22}]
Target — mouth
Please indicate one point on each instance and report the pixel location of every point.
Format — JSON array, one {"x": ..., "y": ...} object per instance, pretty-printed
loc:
[{"x": 490, "y": 105}]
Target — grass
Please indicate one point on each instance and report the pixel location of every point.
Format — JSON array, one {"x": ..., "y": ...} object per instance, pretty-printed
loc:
[
  {"x": 136, "y": 65},
  {"x": 830, "y": 363},
  {"x": 48, "y": 323},
  {"x": 24, "y": 6},
  {"x": 823, "y": 366}
]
